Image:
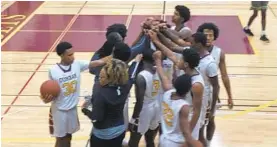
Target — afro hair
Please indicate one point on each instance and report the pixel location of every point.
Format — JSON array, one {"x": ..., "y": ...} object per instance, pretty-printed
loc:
[{"x": 209, "y": 26}]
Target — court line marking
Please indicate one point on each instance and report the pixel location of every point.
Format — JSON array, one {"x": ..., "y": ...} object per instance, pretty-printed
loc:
[
  {"x": 21, "y": 25},
  {"x": 250, "y": 39},
  {"x": 82, "y": 138},
  {"x": 260, "y": 107},
  {"x": 69, "y": 25},
  {"x": 6, "y": 5},
  {"x": 77, "y": 31}
]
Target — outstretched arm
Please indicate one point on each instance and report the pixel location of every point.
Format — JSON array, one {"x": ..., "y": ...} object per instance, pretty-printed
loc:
[
  {"x": 166, "y": 82},
  {"x": 163, "y": 48},
  {"x": 175, "y": 38}
]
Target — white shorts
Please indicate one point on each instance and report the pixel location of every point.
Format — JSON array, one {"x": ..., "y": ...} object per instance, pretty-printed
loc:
[
  {"x": 164, "y": 142},
  {"x": 63, "y": 122},
  {"x": 149, "y": 117},
  {"x": 206, "y": 109}
]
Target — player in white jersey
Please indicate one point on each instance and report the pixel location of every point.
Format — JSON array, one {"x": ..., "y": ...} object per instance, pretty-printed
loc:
[
  {"x": 208, "y": 69},
  {"x": 63, "y": 112},
  {"x": 212, "y": 33},
  {"x": 145, "y": 120},
  {"x": 175, "y": 123},
  {"x": 188, "y": 63}
]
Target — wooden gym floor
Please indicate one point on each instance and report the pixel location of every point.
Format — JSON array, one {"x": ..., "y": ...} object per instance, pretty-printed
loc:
[{"x": 31, "y": 30}]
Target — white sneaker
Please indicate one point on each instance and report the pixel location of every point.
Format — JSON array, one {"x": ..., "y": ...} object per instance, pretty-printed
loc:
[{"x": 125, "y": 143}]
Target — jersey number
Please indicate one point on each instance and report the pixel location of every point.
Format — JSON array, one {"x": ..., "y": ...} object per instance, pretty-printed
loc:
[
  {"x": 70, "y": 87},
  {"x": 156, "y": 87},
  {"x": 168, "y": 114}
]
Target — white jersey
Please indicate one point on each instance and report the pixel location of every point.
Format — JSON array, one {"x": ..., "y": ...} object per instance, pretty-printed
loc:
[
  {"x": 208, "y": 68},
  {"x": 152, "y": 86},
  {"x": 194, "y": 79},
  {"x": 68, "y": 78},
  {"x": 170, "y": 118},
  {"x": 216, "y": 53}
]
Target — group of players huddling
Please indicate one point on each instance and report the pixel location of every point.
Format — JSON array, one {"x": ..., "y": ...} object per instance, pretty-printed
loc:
[{"x": 175, "y": 75}]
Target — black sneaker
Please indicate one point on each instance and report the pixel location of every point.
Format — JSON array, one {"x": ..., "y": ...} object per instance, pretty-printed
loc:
[
  {"x": 248, "y": 32},
  {"x": 264, "y": 38}
]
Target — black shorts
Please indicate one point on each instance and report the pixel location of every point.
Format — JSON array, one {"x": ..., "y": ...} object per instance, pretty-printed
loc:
[
  {"x": 259, "y": 5},
  {"x": 115, "y": 142}
]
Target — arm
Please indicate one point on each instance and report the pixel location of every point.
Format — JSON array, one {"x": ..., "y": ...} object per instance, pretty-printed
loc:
[
  {"x": 138, "y": 47},
  {"x": 197, "y": 94},
  {"x": 94, "y": 57},
  {"x": 138, "y": 38},
  {"x": 175, "y": 38},
  {"x": 166, "y": 51},
  {"x": 99, "y": 62},
  {"x": 166, "y": 83},
  {"x": 184, "y": 124},
  {"x": 98, "y": 111},
  {"x": 212, "y": 74},
  {"x": 140, "y": 88},
  {"x": 224, "y": 75},
  {"x": 163, "y": 48},
  {"x": 167, "y": 42}
]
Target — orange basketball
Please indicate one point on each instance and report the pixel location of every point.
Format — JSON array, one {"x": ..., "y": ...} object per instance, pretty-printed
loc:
[{"x": 49, "y": 87}]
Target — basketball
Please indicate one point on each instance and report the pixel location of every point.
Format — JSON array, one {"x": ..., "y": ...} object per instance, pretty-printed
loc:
[{"x": 49, "y": 87}]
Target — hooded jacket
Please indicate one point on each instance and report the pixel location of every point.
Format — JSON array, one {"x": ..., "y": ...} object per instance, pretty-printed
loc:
[{"x": 108, "y": 102}]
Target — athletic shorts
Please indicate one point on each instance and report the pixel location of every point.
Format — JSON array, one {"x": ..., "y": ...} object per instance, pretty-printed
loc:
[
  {"x": 206, "y": 109},
  {"x": 149, "y": 117},
  {"x": 259, "y": 5},
  {"x": 63, "y": 122},
  {"x": 164, "y": 142}
]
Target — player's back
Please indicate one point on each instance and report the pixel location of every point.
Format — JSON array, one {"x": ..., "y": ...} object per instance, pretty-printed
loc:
[
  {"x": 152, "y": 86},
  {"x": 194, "y": 79},
  {"x": 68, "y": 78},
  {"x": 216, "y": 53},
  {"x": 170, "y": 118}
]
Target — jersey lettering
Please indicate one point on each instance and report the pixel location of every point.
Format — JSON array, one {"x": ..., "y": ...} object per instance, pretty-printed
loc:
[
  {"x": 156, "y": 87},
  {"x": 168, "y": 114},
  {"x": 70, "y": 87}
]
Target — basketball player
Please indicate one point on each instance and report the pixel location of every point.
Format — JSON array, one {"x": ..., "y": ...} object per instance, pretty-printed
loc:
[
  {"x": 175, "y": 123},
  {"x": 208, "y": 69},
  {"x": 188, "y": 63},
  {"x": 63, "y": 112},
  {"x": 145, "y": 120},
  {"x": 256, "y": 6},
  {"x": 212, "y": 33}
]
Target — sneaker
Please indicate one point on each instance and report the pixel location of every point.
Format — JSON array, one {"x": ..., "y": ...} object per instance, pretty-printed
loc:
[
  {"x": 264, "y": 38},
  {"x": 218, "y": 105},
  {"x": 248, "y": 32}
]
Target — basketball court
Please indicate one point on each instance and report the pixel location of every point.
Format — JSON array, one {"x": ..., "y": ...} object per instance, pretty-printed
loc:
[{"x": 31, "y": 30}]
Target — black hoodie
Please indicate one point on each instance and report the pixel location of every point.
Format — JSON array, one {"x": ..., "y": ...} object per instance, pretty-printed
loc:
[{"x": 108, "y": 103}]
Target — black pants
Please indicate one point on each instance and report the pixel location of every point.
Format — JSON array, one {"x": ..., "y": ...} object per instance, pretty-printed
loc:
[{"x": 97, "y": 142}]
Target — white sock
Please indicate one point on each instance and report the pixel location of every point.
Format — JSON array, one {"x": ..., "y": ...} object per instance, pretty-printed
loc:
[
  {"x": 247, "y": 27},
  {"x": 125, "y": 142},
  {"x": 208, "y": 143},
  {"x": 263, "y": 33}
]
